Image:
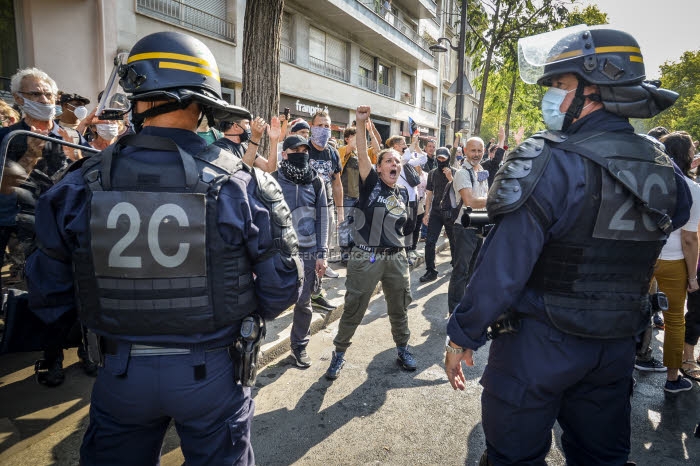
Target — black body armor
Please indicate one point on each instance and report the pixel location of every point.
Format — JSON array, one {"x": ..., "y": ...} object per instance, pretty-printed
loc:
[
  {"x": 595, "y": 280},
  {"x": 156, "y": 263}
]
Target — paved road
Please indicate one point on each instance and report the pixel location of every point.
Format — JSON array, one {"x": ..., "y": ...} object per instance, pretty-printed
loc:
[{"x": 374, "y": 413}]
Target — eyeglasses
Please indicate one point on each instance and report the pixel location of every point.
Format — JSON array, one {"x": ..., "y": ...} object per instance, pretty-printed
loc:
[{"x": 36, "y": 94}]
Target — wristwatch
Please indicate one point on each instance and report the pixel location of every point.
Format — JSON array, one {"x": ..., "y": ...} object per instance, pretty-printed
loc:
[{"x": 452, "y": 349}]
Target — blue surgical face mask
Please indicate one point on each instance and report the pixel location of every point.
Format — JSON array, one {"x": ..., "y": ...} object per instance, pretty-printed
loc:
[
  {"x": 39, "y": 111},
  {"x": 552, "y": 100},
  {"x": 59, "y": 111},
  {"x": 320, "y": 135}
]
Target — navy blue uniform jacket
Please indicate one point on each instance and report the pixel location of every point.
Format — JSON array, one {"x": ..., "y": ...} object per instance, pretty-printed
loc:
[{"x": 514, "y": 245}]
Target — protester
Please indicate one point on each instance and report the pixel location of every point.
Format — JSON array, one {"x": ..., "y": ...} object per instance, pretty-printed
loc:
[
  {"x": 675, "y": 270},
  {"x": 379, "y": 254},
  {"x": 165, "y": 325},
  {"x": 469, "y": 189},
  {"x": 561, "y": 283},
  {"x": 434, "y": 217},
  {"x": 305, "y": 194}
]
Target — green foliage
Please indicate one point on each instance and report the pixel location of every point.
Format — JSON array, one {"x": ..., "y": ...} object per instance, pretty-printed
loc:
[
  {"x": 590, "y": 15},
  {"x": 682, "y": 77}
]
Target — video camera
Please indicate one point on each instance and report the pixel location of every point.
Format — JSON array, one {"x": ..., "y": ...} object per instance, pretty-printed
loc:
[{"x": 479, "y": 220}]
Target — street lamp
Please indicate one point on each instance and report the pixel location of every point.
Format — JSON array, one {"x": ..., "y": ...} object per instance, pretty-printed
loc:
[{"x": 461, "y": 52}]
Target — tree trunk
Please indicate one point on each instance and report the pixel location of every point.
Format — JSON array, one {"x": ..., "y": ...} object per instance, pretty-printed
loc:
[
  {"x": 261, "y": 65},
  {"x": 484, "y": 84},
  {"x": 511, "y": 97}
]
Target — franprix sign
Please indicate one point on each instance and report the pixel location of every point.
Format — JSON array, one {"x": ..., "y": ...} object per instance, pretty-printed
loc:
[{"x": 307, "y": 108}]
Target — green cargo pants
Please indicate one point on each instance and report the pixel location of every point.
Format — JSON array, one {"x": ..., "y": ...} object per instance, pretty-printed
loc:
[{"x": 392, "y": 271}]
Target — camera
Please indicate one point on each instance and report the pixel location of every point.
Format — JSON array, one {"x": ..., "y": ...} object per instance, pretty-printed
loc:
[
  {"x": 478, "y": 220},
  {"x": 659, "y": 301}
]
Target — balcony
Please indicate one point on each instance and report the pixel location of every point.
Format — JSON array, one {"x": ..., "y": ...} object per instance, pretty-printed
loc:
[
  {"x": 429, "y": 105},
  {"x": 386, "y": 90},
  {"x": 286, "y": 53},
  {"x": 328, "y": 69},
  {"x": 185, "y": 16},
  {"x": 363, "y": 21},
  {"x": 424, "y": 9}
]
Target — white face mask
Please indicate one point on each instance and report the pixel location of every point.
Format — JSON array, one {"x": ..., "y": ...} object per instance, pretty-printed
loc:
[
  {"x": 39, "y": 111},
  {"x": 551, "y": 102},
  {"x": 80, "y": 112},
  {"x": 107, "y": 131}
]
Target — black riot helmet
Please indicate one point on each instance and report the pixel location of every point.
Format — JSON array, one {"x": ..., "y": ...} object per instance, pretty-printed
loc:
[
  {"x": 176, "y": 67},
  {"x": 597, "y": 55}
]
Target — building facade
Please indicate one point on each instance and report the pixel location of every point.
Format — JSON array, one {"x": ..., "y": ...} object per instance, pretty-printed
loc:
[{"x": 335, "y": 54}]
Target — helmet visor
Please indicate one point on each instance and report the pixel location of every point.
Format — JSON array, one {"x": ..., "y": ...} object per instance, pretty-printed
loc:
[
  {"x": 114, "y": 103},
  {"x": 537, "y": 52}
]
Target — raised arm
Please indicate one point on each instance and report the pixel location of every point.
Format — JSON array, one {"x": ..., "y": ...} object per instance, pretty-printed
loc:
[
  {"x": 376, "y": 138},
  {"x": 362, "y": 115}
]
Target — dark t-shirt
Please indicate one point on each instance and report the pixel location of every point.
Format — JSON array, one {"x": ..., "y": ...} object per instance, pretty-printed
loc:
[
  {"x": 430, "y": 164},
  {"x": 436, "y": 183},
  {"x": 383, "y": 214},
  {"x": 326, "y": 162},
  {"x": 236, "y": 149}
]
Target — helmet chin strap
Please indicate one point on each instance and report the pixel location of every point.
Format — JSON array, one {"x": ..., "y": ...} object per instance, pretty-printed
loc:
[
  {"x": 576, "y": 105},
  {"x": 139, "y": 118}
]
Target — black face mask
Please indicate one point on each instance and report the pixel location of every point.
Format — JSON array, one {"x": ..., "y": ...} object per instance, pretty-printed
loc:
[
  {"x": 298, "y": 159},
  {"x": 442, "y": 165},
  {"x": 245, "y": 136}
]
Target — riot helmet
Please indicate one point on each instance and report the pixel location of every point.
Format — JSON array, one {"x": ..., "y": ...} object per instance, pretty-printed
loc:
[
  {"x": 178, "y": 68},
  {"x": 599, "y": 55}
]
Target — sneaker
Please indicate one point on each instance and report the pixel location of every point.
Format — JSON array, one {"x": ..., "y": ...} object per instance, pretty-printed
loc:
[
  {"x": 300, "y": 356},
  {"x": 406, "y": 359},
  {"x": 320, "y": 302},
  {"x": 658, "y": 320},
  {"x": 652, "y": 365},
  {"x": 412, "y": 255},
  {"x": 421, "y": 239},
  {"x": 419, "y": 253},
  {"x": 336, "y": 366},
  {"x": 49, "y": 373},
  {"x": 330, "y": 273},
  {"x": 681, "y": 384},
  {"x": 430, "y": 275}
]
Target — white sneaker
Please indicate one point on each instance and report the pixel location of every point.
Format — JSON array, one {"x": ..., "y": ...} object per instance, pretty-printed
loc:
[{"x": 330, "y": 273}]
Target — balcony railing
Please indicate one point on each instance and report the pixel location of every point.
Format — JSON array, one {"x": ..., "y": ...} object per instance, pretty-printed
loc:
[
  {"x": 286, "y": 53},
  {"x": 329, "y": 69},
  {"x": 367, "y": 83},
  {"x": 183, "y": 15},
  {"x": 386, "y": 90},
  {"x": 391, "y": 18},
  {"x": 408, "y": 98},
  {"x": 429, "y": 105}
]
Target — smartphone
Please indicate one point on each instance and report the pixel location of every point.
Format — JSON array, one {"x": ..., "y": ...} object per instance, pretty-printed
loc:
[{"x": 286, "y": 113}]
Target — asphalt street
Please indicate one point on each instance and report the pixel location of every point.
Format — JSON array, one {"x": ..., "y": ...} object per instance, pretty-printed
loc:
[{"x": 375, "y": 413}]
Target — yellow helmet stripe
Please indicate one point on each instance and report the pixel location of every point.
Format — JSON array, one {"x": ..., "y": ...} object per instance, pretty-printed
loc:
[
  {"x": 170, "y": 56},
  {"x": 636, "y": 59},
  {"x": 615, "y": 48},
  {"x": 610, "y": 49},
  {"x": 190, "y": 68}
]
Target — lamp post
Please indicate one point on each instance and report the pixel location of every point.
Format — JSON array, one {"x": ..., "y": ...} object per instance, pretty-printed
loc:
[{"x": 461, "y": 50}]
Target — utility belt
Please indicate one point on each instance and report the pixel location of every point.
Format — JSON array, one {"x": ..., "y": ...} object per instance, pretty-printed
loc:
[
  {"x": 382, "y": 251},
  {"x": 244, "y": 351}
]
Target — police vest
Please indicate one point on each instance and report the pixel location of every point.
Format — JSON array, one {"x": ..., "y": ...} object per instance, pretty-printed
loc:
[
  {"x": 595, "y": 280},
  {"x": 156, "y": 263}
]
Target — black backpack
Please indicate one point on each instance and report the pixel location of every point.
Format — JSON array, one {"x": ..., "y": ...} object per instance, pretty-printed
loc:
[{"x": 449, "y": 213}]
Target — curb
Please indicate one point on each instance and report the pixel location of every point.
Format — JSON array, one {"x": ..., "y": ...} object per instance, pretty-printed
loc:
[{"x": 269, "y": 352}]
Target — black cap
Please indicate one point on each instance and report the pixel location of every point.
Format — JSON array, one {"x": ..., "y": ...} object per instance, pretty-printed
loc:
[
  {"x": 294, "y": 141},
  {"x": 442, "y": 152},
  {"x": 65, "y": 98},
  {"x": 299, "y": 126}
]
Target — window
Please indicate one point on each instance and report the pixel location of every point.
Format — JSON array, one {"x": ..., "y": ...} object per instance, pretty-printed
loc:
[
  {"x": 208, "y": 17},
  {"x": 384, "y": 85},
  {"x": 428, "y": 101},
  {"x": 286, "y": 47},
  {"x": 406, "y": 88},
  {"x": 366, "y": 72},
  {"x": 327, "y": 54}
]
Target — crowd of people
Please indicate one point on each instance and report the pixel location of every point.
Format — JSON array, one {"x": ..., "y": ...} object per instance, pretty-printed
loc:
[{"x": 253, "y": 232}]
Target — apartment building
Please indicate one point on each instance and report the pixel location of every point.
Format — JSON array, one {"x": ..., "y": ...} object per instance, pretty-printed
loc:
[{"x": 335, "y": 54}]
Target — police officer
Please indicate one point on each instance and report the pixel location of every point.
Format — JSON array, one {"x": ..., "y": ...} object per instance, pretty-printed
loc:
[
  {"x": 379, "y": 254},
  {"x": 166, "y": 248},
  {"x": 581, "y": 214}
]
